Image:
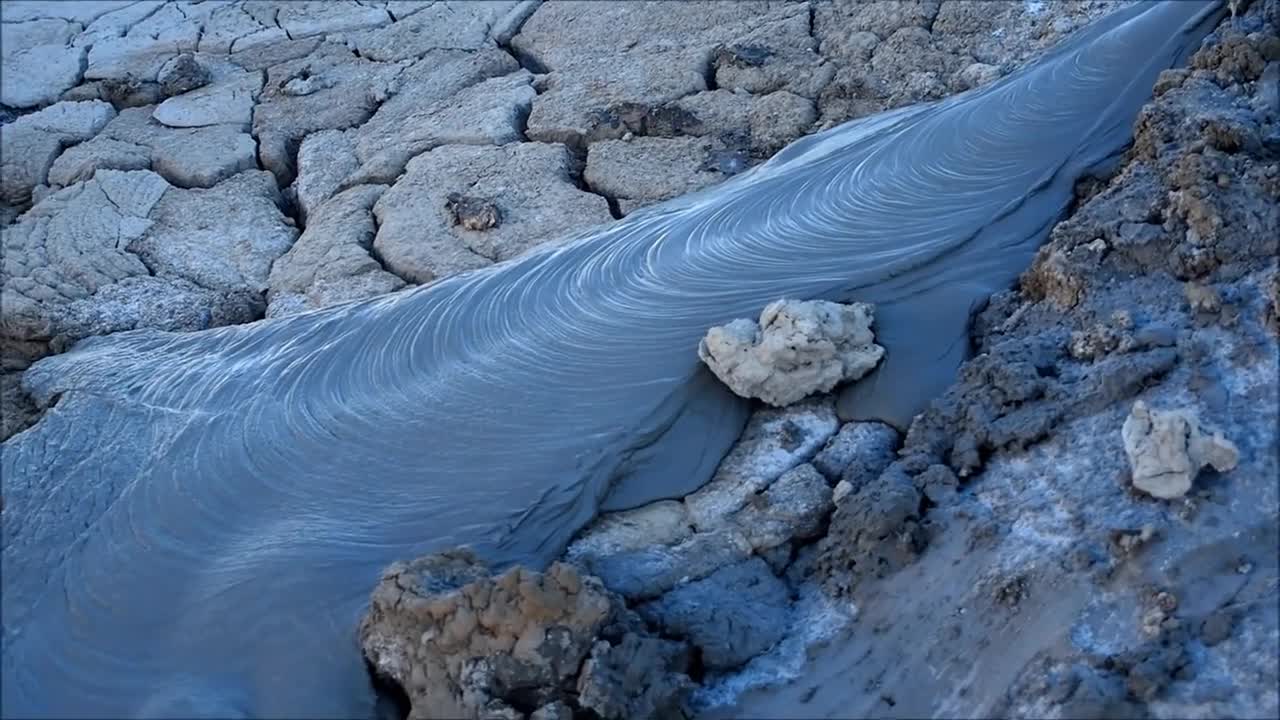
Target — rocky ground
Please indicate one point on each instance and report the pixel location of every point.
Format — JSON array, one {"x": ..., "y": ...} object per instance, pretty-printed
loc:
[{"x": 186, "y": 165}]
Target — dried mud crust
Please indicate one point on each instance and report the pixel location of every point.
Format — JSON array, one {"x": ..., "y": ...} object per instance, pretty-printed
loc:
[
  {"x": 652, "y": 101},
  {"x": 1159, "y": 286}
]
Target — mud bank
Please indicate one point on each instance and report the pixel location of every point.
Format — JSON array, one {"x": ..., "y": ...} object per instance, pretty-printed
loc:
[{"x": 1022, "y": 574}]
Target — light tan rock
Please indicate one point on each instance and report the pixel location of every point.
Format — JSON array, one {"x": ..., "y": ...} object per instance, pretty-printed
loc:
[
  {"x": 464, "y": 643},
  {"x": 796, "y": 349},
  {"x": 1168, "y": 448}
]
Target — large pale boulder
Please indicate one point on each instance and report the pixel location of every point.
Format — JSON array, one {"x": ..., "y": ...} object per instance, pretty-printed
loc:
[{"x": 796, "y": 349}]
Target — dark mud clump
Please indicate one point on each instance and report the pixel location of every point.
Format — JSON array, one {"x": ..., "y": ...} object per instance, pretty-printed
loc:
[{"x": 476, "y": 214}]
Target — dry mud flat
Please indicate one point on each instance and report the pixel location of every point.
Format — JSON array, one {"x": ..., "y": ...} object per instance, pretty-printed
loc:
[{"x": 204, "y": 164}]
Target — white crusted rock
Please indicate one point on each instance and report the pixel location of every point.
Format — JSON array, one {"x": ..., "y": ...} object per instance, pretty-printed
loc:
[
  {"x": 1168, "y": 448},
  {"x": 797, "y": 349},
  {"x": 794, "y": 507},
  {"x": 665, "y": 522},
  {"x": 774, "y": 441}
]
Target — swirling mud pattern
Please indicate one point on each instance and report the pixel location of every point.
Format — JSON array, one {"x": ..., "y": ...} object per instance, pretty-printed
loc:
[{"x": 195, "y": 528}]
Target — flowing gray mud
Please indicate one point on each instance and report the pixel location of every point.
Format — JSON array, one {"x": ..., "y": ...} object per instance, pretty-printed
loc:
[{"x": 195, "y": 527}]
